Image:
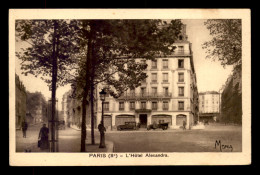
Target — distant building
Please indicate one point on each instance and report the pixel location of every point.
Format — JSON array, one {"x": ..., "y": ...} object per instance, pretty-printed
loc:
[
  {"x": 36, "y": 107},
  {"x": 209, "y": 105},
  {"x": 20, "y": 102},
  {"x": 72, "y": 111},
  {"x": 169, "y": 94}
]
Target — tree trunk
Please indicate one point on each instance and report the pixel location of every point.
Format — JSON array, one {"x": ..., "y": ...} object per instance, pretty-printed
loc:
[
  {"x": 83, "y": 124},
  {"x": 53, "y": 95},
  {"x": 92, "y": 111},
  {"x": 85, "y": 95}
]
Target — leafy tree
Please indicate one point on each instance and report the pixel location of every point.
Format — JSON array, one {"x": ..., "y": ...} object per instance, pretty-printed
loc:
[
  {"x": 226, "y": 44},
  {"x": 112, "y": 48},
  {"x": 34, "y": 100},
  {"x": 50, "y": 56}
]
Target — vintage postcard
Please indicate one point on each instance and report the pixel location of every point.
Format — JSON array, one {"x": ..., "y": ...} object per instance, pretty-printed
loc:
[{"x": 91, "y": 87}]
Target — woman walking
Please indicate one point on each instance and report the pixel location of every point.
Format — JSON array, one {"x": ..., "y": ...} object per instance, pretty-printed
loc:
[{"x": 43, "y": 136}]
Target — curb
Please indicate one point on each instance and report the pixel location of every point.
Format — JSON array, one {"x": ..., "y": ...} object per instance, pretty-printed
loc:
[{"x": 95, "y": 148}]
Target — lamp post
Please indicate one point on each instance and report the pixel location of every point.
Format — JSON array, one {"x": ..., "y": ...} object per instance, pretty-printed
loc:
[{"x": 101, "y": 127}]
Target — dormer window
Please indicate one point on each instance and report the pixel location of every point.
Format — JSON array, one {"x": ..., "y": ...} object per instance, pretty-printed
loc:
[{"x": 180, "y": 37}]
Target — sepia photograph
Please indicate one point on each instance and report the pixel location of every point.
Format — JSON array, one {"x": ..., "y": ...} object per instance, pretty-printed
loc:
[{"x": 165, "y": 88}]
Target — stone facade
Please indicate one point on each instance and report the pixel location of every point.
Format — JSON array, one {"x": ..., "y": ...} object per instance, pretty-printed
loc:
[
  {"x": 209, "y": 105},
  {"x": 72, "y": 111},
  {"x": 20, "y": 102},
  {"x": 169, "y": 94}
]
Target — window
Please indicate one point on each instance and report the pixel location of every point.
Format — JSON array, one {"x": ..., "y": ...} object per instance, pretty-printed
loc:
[
  {"x": 143, "y": 105},
  {"x": 181, "y": 77},
  {"x": 181, "y": 105},
  {"x": 165, "y": 91},
  {"x": 180, "y": 63},
  {"x": 154, "y": 90},
  {"x": 154, "y": 77},
  {"x": 132, "y": 105},
  {"x": 165, "y": 64},
  {"x": 132, "y": 91},
  {"x": 154, "y": 64},
  {"x": 106, "y": 106},
  {"x": 121, "y": 106},
  {"x": 165, "y": 105},
  {"x": 144, "y": 80},
  {"x": 181, "y": 91},
  {"x": 180, "y": 49},
  {"x": 154, "y": 105},
  {"x": 143, "y": 61},
  {"x": 143, "y": 89},
  {"x": 165, "y": 77}
]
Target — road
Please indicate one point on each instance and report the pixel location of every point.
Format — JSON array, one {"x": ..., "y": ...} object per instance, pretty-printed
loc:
[
  {"x": 179, "y": 140},
  {"x": 144, "y": 141}
]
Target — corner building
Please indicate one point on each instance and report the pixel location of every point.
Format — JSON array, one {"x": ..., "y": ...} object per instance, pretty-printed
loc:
[{"x": 169, "y": 94}]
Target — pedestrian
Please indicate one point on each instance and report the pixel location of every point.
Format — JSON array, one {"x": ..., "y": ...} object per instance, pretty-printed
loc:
[
  {"x": 184, "y": 125},
  {"x": 43, "y": 136},
  {"x": 102, "y": 130},
  {"x": 154, "y": 125},
  {"x": 24, "y": 128}
]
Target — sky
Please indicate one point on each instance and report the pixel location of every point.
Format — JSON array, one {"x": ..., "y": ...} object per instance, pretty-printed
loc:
[{"x": 210, "y": 74}]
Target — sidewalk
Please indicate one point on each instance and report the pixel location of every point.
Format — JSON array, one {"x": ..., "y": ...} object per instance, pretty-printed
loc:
[
  {"x": 95, "y": 148},
  {"x": 69, "y": 141}
]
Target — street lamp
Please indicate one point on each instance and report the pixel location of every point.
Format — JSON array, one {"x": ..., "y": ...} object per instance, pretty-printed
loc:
[{"x": 101, "y": 127}]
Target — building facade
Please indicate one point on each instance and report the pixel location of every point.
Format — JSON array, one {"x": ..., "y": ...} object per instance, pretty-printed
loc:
[
  {"x": 36, "y": 107},
  {"x": 209, "y": 105},
  {"x": 72, "y": 111},
  {"x": 169, "y": 94},
  {"x": 20, "y": 102}
]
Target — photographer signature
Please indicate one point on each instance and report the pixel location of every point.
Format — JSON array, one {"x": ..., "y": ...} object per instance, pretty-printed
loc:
[{"x": 222, "y": 147}]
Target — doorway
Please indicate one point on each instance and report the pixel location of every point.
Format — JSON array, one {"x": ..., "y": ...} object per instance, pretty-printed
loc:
[{"x": 143, "y": 120}]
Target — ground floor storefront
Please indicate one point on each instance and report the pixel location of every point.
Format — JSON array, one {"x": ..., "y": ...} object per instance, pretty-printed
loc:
[{"x": 145, "y": 118}]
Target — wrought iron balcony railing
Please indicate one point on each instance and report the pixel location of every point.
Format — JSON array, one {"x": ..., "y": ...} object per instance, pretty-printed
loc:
[
  {"x": 181, "y": 52},
  {"x": 129, "y": 96}
]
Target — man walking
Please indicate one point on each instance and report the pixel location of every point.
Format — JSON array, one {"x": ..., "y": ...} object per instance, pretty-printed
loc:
[{"x": 24, "y": 128}]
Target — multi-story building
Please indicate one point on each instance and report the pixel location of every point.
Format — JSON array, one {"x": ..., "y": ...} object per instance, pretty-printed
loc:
[
  {"x": 36, "y": 107},
  {"x": 20, "y": 102},
  {"x": 209, "y": 105},
  {"x": 169, "y": 94},
  {"x": 209, "y": 102},
  {"x": 72, "y": 111}
]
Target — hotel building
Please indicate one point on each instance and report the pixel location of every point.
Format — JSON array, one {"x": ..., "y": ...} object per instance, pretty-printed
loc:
[{"x": 169, "y": 94}]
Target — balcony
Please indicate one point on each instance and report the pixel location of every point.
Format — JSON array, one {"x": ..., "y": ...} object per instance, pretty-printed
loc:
[
  {"x": 181, "y": 52},
  {"x": 146, "y": 95}
]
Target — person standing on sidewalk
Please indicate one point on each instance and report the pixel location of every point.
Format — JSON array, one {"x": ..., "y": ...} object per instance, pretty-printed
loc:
[
  {"x": 44, "y": 136},
  {"x": 24, "y": 128},
  {"x": 184, "y": 125}
]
